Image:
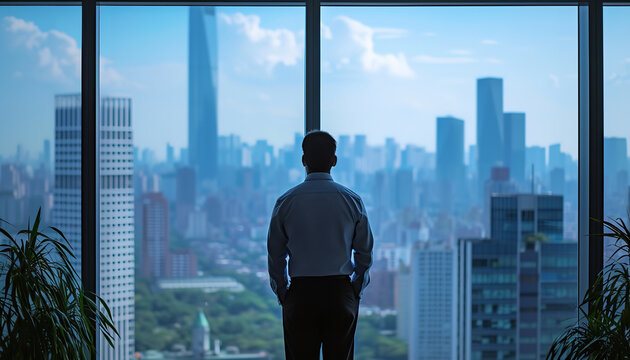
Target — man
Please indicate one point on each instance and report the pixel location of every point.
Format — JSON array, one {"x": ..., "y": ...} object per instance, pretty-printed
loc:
[{"x": 321, "y": 226}]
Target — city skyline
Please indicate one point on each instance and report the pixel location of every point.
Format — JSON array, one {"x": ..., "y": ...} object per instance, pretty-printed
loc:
[
  {"x": 439, "y": 125},
  {"x": 286, "y": 75}
]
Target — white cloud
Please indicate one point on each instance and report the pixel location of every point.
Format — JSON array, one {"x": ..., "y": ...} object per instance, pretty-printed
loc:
[
  {"x": 389, "y": 33},
  {"x": 460, "y": 52},
  {"x": 555, "y": 80},
  {"x": 363, "y": 37},
  {"x": 58, "y": 54},
  {"x": 326, "y": 33},
  {"x": 109, "y": 76},
  {"x": 275, "y": 45},
  {"x": 426, "y": 59},
  {"x": 489, "y": 42}
]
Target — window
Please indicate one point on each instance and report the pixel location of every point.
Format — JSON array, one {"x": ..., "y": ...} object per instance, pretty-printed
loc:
[
  {"x": 214, "y": 112},
  {"x": 458, "y": 125},
  {"x": 450, "y": 123},
  {"x": 616, "y": 109},
  {"x": 40, "y": 143}
]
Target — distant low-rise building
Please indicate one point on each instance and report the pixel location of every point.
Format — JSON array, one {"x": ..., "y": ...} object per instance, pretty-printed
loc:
[{"x": 206, "y": 284}]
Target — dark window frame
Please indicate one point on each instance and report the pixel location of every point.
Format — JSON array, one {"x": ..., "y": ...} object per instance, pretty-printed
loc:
[{"x": 590, "y": 104}]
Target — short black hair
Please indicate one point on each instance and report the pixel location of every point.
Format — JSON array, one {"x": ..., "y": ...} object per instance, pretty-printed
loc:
[{"x": 319, "y": 150}]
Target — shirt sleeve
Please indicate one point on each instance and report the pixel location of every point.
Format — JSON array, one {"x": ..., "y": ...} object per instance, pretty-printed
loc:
[
  {"x": 362, "y": 244},
  {"x": 277, "y": 254}
]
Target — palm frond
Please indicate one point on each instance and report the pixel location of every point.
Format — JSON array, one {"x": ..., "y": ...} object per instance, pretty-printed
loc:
[{"x": 44, "y": 309}]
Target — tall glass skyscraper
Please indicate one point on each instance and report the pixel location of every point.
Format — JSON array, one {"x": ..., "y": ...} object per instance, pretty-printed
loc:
[
  {"x": 489, "y": 127},
  {"x": 116, "y": 207},
  {"x": 514, "y": 149},
  {"x": 449, "y": 165},
  {"x": 202, "y": 92}
]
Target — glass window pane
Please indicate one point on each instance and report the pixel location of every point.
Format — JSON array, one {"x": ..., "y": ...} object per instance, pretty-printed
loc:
[
  {"x": 202, "y": 113},
  {"x": 40, "y": 140},
  {"x": 458, "y": 127},
  {"x": 40, "y": 135},
  {"x": 616, "y": 110}
]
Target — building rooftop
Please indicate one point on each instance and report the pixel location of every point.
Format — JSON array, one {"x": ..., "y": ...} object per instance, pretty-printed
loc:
[{"x": 206, "y": 284}]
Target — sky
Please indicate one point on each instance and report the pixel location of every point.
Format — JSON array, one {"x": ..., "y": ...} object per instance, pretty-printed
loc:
[{"x": 385, "y": 71}]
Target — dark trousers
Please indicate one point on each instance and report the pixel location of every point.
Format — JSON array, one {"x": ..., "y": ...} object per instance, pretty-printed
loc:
[{"x": 320, "y": 312}]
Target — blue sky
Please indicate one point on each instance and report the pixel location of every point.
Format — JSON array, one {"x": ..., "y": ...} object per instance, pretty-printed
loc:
[{"x": 385, "y": 71}]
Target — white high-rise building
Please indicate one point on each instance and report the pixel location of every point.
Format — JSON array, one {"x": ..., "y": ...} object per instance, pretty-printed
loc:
[
  {"x": 116, "y": 206},
  {"x": 67, "y": 172},
  {"x": 433, "y": 328}
]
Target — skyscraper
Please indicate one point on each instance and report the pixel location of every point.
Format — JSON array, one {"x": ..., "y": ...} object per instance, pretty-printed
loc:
[
  {"x": 535, "y": 156},
  {"x": 67, "y": 172},
  {"x": 433, "y": 330},
  {"x": 450, "y": 148},
  {"x": 116, "y": 210},
  {"x": 117, "y": 223},
  {"x": 185, "y": 195},
  {"x": 155, "y": 236},
  {"x": 489, "y": 127},
  {"x": 616, "y": 165},
  {"x": 556, "y": 159},
  {"x": 202, "y": 92},
  {"x": 404, "y": 188},
  {"x": 391, "y": 153},
  {"x": 518, "y": 288},
  {"x": 170, "y": 154},
  {"x": 46, "y": 154},
  {"x": 514, "y": 145},
  {"x": 450, "y": 159}
]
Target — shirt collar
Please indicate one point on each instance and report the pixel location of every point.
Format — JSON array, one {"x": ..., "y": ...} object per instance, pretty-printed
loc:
[{"x": 318, "y": 176}]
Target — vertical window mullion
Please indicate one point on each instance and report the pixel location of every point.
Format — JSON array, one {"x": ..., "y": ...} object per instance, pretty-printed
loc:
[
  {"x": 312, "y": 63},
  {"x": 591, "y": 140},
  {"x": 89, "y": 156}
]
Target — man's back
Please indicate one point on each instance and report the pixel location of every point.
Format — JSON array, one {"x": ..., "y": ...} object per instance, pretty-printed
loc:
[{"x": 319, "y": 218}]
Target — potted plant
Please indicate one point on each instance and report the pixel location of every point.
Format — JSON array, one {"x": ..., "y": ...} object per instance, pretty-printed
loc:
[
  {"x": 44, "y": 310},
  {"x": 604, "y": 331}
]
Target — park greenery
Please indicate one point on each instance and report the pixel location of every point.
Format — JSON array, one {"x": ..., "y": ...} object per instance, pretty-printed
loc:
[{"x": 249, "y": 320}]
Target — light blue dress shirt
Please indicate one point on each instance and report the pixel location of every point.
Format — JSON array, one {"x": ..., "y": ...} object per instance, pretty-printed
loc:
[{"x": 319, "y": 225}]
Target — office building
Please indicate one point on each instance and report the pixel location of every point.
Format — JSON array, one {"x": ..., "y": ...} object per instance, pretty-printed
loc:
[
  {"x": 183, "y": 263},
  {"x": 67, "y": 173},
  {"x": 517, "y": 289},
  {"x": 116, "y": 206},
  {"x": 404, "y": 188},
  {"x": 490, "y": 132},
  {"x": 185, "y": 195},
  {"x": 556, "y": 159},
  {"x": 46, "y": 155},
  {"x": 202, "y": 92},
  {"x": 514, "y": 145},
  {"x": 391, "y": 154},
  {"x": 117, "y": 223},
  {"x": 499, "y": 183},
  {"x": 433, "y": 317},
  {"x": 155, "y": 236},
  {"x": 450, "y": 171},
  {"x": 170, "y": 154},
  {"x": 402, "y": 300},
  {"x": 536, "y": 164},
  {"x": 616, "y": 166}
]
